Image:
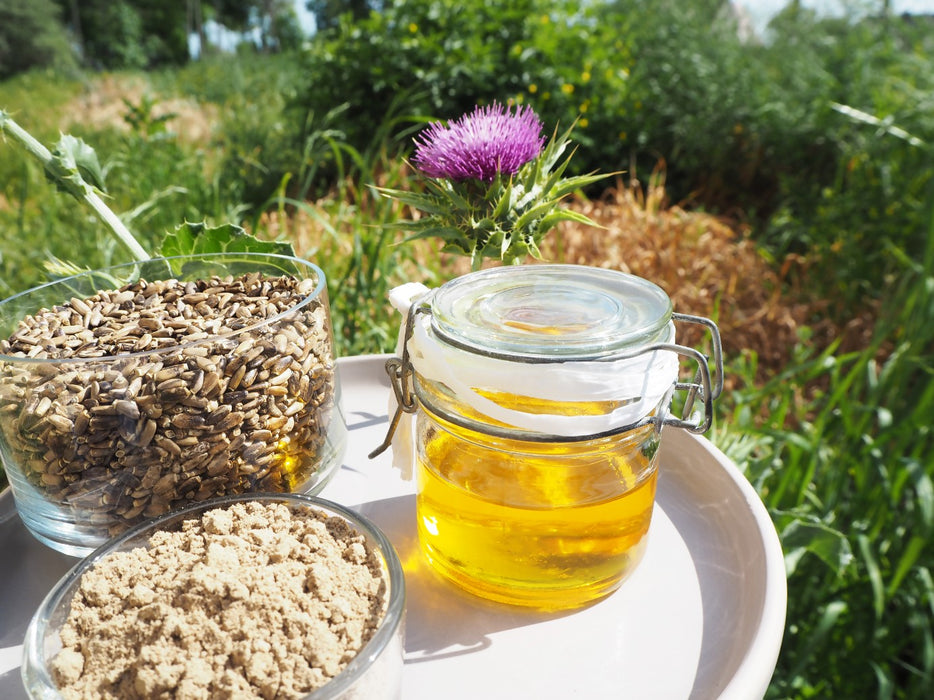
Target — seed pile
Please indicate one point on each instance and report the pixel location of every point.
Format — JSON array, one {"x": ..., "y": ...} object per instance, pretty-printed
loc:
[{"x": 219, "y": 406}]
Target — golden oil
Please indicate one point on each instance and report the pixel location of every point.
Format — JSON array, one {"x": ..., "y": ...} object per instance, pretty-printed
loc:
[{"x": 549, "y": 525}]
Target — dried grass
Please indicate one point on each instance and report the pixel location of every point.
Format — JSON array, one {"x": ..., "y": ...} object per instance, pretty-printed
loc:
[
  {"x": 708, "y": 266},
  {"x": 102, "y": 106}
]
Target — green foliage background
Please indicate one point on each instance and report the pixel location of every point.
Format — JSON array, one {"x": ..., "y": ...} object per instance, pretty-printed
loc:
[{"x": 820, "y": 139}]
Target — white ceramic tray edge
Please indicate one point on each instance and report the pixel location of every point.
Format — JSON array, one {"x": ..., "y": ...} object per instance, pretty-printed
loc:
[{"x": 765, "y": 649}]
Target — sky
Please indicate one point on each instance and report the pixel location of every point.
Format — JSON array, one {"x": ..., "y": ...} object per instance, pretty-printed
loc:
[
  {"x": 761, "y": 11},
  {"x": 306, "y": 19}
]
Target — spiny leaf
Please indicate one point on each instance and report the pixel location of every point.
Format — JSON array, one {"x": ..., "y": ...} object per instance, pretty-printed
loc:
[
  {"x": 416, "y": 200},
  {"x": 458, "y": 200},
  {"x": 192, "y": 238},
  {"x": 70, "y": 160},
  {"x": 579, "y": 182},
  {"x": 442, "y": 232},
  {"x": 535, "y": 212},
  {"x": 557, "y": 217},
  {"x": 78, "y": 155}
]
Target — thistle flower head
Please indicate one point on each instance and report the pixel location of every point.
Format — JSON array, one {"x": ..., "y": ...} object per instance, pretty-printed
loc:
[
  {"x": 493, "y": 188},
  {"x": 489, "y": 141}
]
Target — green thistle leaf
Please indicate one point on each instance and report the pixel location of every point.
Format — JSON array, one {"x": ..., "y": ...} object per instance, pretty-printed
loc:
[
  {"x": 73, "y": 168},
  {"x": 529, "y": 217},
  {"x": 81, "y": 157},
  {"x": 198, "y": 238},
  {"x": 457, "y": 201}
]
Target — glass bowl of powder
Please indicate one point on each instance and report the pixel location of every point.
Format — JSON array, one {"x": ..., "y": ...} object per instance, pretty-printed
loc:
[{"x": 248, "y": 596}]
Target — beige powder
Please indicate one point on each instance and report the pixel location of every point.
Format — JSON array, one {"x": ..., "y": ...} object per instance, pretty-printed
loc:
[{"x": 252, "y": 601}]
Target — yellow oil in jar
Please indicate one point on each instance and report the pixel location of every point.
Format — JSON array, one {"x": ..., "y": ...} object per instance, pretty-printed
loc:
[{"x": 547, "y": 525}]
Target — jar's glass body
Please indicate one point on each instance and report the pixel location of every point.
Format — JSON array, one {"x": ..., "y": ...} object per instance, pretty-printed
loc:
[
  {"x": 541, "y": 393},
  {"x": 214, "y": 390},
  {"x": 548, "y": 523}
]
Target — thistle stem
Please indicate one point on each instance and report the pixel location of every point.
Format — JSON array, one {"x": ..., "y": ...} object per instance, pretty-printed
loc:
[
  {"x": 116, "y": 225},
  {"x": 87, "y": 193}
]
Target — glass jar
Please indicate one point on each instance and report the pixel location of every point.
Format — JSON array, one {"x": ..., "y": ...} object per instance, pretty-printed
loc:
[{"x": 540, "y": 394}]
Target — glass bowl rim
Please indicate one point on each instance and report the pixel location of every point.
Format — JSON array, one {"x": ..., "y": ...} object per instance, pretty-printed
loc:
[
  {"x": 36, "y": 673},
  {"x": 320, "y": 288}
]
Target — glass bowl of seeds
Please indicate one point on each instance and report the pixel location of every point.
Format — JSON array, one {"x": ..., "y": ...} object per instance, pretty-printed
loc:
[
  {"x": 251, "y": 596},
  {"x": 131, "y": 391}
]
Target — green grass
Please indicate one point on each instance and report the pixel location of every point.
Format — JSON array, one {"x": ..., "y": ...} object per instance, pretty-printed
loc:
[{"x": 843, "y": 460}]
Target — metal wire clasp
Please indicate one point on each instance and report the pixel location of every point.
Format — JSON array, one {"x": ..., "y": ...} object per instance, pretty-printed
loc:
[
  {"x": 402, "y": 378},
  {"x": 703, "y": 386}
]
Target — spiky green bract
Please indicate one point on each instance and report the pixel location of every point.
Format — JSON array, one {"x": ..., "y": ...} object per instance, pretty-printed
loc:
[{"x": 506, "y": 218}]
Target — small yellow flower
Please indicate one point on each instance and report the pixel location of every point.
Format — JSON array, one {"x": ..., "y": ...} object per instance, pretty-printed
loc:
[
  {"x": 583, "y": 123},
  {"x": 533, "y": 88},
  {"x": 413, "y": 28},
  {"x": 546, "y": 95},
  {"x": 585, "y": 105},
  {"x": 585, "y": 76},
  {"x": 567, "y": 88}
]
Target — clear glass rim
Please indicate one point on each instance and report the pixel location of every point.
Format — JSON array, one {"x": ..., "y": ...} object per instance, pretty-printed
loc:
[
  {"x": 320, "y": 287},
  {"x": 35, "y": 672}
]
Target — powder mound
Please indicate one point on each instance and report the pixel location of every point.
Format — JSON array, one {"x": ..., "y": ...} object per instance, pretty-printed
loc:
[{"x": 251, "y": 601}]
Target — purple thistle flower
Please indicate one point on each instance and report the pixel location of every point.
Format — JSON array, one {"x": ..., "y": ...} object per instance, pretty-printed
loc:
[{"x": 488, "y": 141}]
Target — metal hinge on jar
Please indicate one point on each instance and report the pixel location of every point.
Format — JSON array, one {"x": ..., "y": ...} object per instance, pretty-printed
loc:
[
  {"x": 702, "y": 386},
  {"x": 402, "y": 378}
]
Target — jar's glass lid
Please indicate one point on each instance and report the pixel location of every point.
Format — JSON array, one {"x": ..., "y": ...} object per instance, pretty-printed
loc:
[{"x": 551, "y": 312}]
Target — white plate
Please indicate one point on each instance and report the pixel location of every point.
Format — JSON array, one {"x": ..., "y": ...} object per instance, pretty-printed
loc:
[{"x": 701, "y": 617}]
